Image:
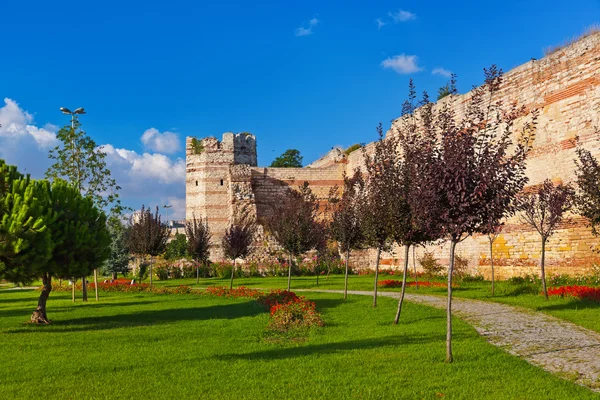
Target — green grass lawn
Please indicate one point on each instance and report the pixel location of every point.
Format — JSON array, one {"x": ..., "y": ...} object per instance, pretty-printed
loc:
[
  {"x": 195, "y": 346},
  {"x": 580, "y": 312}
]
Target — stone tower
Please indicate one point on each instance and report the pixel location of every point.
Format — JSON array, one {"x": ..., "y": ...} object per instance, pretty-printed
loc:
[{"x": 218, "y": 180}]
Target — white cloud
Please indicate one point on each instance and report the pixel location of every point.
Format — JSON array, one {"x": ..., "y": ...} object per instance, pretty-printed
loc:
[
  {"x": 308, "y": 29},
  {"x": 167, "y": 142},
  {"x": 16, "y": 123},
  {"x": 147, "y": 178},
  {"x": 401, "y": 16},
  {"x": 402, "y": 64},
  {"x": 380, "y": 24},
  {"x": 441, "y": 72}
]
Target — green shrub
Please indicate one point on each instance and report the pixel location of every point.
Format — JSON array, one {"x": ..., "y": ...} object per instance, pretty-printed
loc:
[{"x": 431, "y": 266}]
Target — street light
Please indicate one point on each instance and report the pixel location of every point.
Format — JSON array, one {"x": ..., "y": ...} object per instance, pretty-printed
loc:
[
  {"x": 167, "y": 206},
  {"x": 77, "y": 111}
]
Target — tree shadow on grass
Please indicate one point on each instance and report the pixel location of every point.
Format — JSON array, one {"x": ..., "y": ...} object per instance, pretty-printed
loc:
[
  {"x": 571, "y": 305},
  {"x": 148, "y": 318},
  {"x": 323, "y": 304},
  {"x": 328, "y": 348},
  {"x": 26, "y": 312}
]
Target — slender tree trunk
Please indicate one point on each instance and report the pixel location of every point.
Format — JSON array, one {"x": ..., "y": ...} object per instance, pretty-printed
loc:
[
  {"x": 376, "y": 276},
  {"x": 317, "y": 271},
  {"x": 415, "y": 268},
  {"x": 406, "y": 248},
  {"x": 449, "y": 306},
  {"x": 73, "y": 289},
  {"x": 84, "y": 288},
  {"x": 346, "y": 275},
  {"x": 492, "y": 263},
  {"x": 197, "y": 273},
  {"x": 151, "y": 262},
  {"x": 232, "y": 272},
  {"x": 542, "y": 264},
  {"x": 114, "y": 276},
  {"x": 96, "y": 282},
  {"x": 39, "y": 315},
  {"x": 290, "y": 273}
]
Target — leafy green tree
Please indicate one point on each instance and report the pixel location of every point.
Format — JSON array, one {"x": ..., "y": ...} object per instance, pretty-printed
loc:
[
  {"x": 25, "y": 240},
  {"x": 176, "y": 248},
  {"x": 81, "y": 162},
  {"x": 291, "y": 158},
  {"x": 198, "y": 242},
  {"x": 119, "y": 256},
  {"x": 147, "y": 235}
]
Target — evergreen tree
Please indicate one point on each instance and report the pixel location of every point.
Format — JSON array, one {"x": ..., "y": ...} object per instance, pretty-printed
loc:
[
  {"x": 119, "y": 256},
  {"x": 291, "y": 158}
]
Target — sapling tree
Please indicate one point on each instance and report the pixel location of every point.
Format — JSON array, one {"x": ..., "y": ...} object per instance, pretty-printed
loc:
[
  {"x": 345, "y": 225},
  {"x": 119, "y": 256},
  {"x": 294, "y": 223},
  {"x": 198, "y": 242},
  {"x": 147, "y": 235},
  {"x": 377, "y": 204},
  {"x": 238, "y": 238},
  {"x": 409, "y": 227},
  {"x": 588, "y": 187},
  {"x": 544, "y": 209},
  {"x": 472, "y": 169}
]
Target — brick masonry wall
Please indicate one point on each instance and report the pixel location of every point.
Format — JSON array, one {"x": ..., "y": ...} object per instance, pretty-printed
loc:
[{"x": 564, "y": 87}]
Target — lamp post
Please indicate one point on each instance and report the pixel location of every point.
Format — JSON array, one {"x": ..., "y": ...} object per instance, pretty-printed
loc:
[{"x": 73, "y": 114}]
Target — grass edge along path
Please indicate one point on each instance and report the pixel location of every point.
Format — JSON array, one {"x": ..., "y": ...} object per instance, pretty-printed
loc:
[{"x": 558, "y": 346}]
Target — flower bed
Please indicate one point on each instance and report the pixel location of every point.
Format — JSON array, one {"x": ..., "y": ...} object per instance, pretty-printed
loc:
[
  {"x": 291, "y": 315},
  {"x": 125, "y": 286},
  {"x": 391, "y": 283},
  {"x": 581, "y": 292}
]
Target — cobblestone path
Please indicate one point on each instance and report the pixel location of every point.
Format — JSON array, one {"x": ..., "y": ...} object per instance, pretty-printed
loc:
[{"x": 555, "y": 345}]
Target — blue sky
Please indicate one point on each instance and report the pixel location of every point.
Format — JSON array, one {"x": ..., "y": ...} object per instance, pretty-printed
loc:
[{"x": 308, "y": 75}]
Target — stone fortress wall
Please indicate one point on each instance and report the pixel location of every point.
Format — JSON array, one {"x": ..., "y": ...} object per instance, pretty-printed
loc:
[{"x": 564, "y": 87}]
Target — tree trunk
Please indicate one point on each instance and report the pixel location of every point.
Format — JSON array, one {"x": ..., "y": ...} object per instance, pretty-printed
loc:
[
  {"x": 449, "y": 306},
  {"x": 415, "y": 268},
  {"x": 114, "y": 276},
  {"x": 317, "y": 271},
  {"x": 346, "y": 275},
  {"x": 39, "y": 315},
  {"x": 151, "y": 262},
  {"x": 84, "y": 288},
  {"x": 542, "y": 264},
  {"x": 492, "y": 263},
  {"x": 290, "y": 273},
  {"x": 232, "y": 272},
  {"x": 96, "y": 282},
  {"x": 376, "y": 277},
  {"x": 73, "y": 289},
  {"x": 197, "y": 273},
  {"x": 406, "y": 248}
]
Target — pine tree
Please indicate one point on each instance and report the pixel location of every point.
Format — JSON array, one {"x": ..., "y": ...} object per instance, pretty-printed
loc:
[{"x": 119, "y": 256}]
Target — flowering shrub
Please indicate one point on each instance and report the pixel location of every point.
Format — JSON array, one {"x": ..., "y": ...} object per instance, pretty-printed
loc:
[
  {"x": 290, "y": 314},
  {"x": 581, "y": 292},
  {"x": 239, "y": 292},
  {"x": 390, "y": 283},
  {"x": 298, "y": 314},
  {"x": 276, "y": 297}
]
